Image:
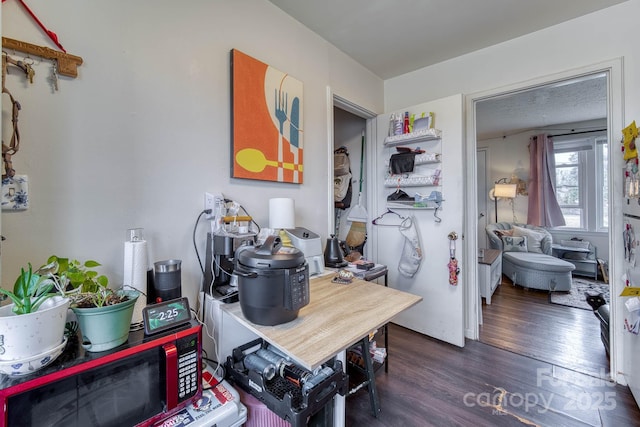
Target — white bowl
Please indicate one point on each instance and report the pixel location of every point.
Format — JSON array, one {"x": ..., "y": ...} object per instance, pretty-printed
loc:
[{"x": 16, "y": 368}]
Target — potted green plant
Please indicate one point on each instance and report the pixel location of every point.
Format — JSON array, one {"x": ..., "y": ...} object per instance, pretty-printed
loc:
[
  {"x": 104, "y": 315},
  {"x": 76, "y": 275},
  {"x": 32, "y": 326},
  {"x": 29, "y": 292}
]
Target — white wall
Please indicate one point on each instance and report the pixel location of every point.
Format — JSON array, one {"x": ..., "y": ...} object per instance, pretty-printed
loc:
[
  {"x": 592, "y": 39},
  {"x": 144, "y": 130}
]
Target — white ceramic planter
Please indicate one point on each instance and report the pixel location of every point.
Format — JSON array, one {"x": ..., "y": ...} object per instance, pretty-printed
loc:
[{"x": 26, "y": 335}]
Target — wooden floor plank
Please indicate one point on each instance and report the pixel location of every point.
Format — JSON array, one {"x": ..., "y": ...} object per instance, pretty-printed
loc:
[
  {"x": 525, "y": 322},
  {"x": 432, "y": 383}
]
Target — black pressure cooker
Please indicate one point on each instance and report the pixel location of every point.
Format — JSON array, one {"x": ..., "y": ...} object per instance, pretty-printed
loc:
[{"x": 273, "y": 282}]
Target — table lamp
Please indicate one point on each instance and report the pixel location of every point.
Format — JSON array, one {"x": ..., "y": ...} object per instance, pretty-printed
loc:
[{"x": 282, "y": 216}]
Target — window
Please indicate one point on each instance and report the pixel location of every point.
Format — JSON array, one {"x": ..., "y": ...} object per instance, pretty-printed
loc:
[
  {"x": 568, "y": 190},
  {"x": 602, "y": 181},
  {"x": 581, "y": 181}
]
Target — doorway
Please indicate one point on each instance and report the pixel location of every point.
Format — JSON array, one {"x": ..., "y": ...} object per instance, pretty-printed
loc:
[
  {"x": 517, "y": 211},
  {"x": 347, "y": 133},
  {"x": 346, "y": 122}
]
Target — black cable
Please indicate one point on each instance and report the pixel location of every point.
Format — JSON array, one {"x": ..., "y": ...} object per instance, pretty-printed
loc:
[
  {"x": 195, "y": 227},
  {"x": 252, "y": 220}
]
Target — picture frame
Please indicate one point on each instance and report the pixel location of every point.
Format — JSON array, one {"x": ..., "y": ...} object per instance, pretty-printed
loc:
[{"x": 266, "y": 122}]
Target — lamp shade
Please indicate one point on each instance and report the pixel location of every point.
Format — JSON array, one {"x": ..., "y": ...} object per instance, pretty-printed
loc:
[
  {"x": 505, "y": 191},
  {"x": 281, "y": 213}
]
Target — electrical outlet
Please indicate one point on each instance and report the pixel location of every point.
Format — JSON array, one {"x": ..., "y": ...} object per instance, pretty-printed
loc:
[{"x": 210, "y": 203}]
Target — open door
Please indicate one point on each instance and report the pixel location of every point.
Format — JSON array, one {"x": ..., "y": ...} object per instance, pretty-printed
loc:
[{"x": 441, "y": 312}]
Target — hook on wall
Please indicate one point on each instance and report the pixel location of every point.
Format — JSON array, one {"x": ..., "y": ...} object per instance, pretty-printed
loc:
[{"x": 435, "y": 214}]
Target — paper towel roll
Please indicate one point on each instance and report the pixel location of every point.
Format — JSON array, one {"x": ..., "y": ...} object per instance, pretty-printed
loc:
[
  {"x": 135, "y": 274},
  {"x": 282, "y": 213}
]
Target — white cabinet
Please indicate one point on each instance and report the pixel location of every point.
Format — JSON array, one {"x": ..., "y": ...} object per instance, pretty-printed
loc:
[
  {"x": 489, "y": 272},
  {"x": 222, "y": 332}
]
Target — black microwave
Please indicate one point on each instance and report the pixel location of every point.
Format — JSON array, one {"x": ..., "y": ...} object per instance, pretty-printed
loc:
[{"x": 139, "y": 383}]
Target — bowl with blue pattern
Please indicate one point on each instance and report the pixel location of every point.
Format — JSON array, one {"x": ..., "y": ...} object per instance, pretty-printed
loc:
[{"x": 16, "y": 368}]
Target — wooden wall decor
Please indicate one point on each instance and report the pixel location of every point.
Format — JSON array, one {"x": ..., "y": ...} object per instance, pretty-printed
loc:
[{"x": 67, "y": 63}]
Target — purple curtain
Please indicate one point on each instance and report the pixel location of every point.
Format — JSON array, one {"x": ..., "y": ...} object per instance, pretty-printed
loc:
[{"x": 544, "y": 210}]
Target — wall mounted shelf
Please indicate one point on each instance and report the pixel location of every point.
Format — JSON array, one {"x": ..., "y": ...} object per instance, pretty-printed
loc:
[
  {"x": 409, "y": 205},
  {"x": 426, "y": 158},
  {"x": 412, "y": 180},
  {"x": 413, "y": 137}
]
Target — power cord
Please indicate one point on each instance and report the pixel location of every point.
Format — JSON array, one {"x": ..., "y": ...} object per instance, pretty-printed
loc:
[
  {"x": 210, "y": 334},
  {"x": 195, "y": 246}
]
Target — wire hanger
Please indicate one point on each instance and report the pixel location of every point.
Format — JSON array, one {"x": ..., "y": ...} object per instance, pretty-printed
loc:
[{"x": 389, "y": 211}]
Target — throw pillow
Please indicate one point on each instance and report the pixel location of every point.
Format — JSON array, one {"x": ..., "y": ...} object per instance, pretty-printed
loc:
[
  {"x": 534, "y": 238},
  {"x": 514, "y": 244},
  {"x": 501, "y": 233}
]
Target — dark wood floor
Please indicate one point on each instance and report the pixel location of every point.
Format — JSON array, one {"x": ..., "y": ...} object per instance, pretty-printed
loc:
[
  {"x": 525, "y": 322},
  {"x": 431, "y": 383}
]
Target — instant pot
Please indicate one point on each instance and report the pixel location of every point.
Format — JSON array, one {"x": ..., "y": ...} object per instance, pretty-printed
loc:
[{"x": 273, "y": 282}]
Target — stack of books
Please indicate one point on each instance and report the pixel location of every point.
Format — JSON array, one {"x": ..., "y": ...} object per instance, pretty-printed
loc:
[{"x": 360, "y": 273}]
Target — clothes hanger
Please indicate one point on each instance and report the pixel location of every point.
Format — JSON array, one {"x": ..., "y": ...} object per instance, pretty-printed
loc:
[
  {"x": 389, "y": 211},
  {"x": 435, "y": 213}
]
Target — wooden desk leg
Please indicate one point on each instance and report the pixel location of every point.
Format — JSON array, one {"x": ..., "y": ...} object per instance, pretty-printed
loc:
[
  {"x": 386, "y": 335},
  {"x": 340, "y": 402},
  {"x": 371, "y": 377}
]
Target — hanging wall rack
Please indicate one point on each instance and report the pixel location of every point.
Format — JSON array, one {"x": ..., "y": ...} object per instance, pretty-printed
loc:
[{"x": 67, "y": 63}]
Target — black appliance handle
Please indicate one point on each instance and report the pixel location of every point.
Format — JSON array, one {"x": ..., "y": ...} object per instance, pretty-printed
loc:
[
  {"x": 271, "y": 246},
  {"x": 249, "y": 275}
]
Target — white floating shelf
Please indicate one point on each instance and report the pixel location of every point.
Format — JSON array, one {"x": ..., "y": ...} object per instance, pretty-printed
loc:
[
  {"x": 413, "y": 137},
  {"x": 413, "y": 180}
]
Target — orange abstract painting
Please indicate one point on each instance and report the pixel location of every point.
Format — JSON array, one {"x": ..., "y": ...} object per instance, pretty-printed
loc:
[{"x": 266, "y": 122}]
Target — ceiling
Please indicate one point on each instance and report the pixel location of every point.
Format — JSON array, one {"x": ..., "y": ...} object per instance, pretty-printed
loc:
[
  {"x": 571, "y": 101},
  {"x": 394, "y": 37}
]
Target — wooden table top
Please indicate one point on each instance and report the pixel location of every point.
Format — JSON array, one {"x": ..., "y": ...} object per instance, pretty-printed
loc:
[
  {"x": 336, "y": 317},
  {"x": 490, "y": 255}
]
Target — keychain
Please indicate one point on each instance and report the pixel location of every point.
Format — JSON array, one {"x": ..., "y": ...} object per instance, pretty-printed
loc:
[{"x": 453, "y": 262}]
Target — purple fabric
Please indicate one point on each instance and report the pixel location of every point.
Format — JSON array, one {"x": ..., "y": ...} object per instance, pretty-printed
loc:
[{"x": 544, "y": 210}]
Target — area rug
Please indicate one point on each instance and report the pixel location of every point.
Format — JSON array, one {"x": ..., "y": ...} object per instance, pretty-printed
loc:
[{"x": 575, "y": 297}]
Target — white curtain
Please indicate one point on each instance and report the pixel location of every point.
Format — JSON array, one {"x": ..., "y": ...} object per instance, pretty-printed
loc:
[{"x": 544, "y": 210}]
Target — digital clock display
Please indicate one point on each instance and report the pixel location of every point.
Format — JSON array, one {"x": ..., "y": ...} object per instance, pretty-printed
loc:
[{"x": 166, "y": 315}]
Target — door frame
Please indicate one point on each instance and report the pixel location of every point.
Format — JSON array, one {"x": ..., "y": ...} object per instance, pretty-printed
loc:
[
  {"x": 334, "y": 100},
  {"x": 487, "y": 161},
  {"x": 615, "y": 123}
]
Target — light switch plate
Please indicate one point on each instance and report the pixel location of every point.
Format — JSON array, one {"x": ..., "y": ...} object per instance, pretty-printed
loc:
[{"x": 15, "y": 193}]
